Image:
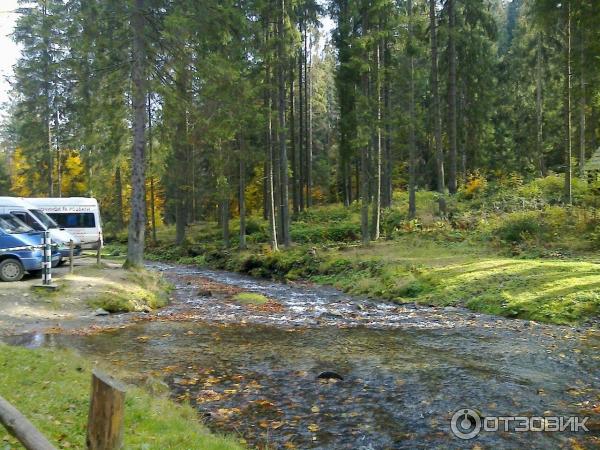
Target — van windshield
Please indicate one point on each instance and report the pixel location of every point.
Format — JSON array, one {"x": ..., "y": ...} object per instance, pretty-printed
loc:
[
  {"x": 43, "y": 217},
  {"x": 12, "y": 225}
]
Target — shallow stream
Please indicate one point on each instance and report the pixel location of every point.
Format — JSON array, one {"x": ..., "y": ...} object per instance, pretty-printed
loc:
[{"x": 253, "y": 371}]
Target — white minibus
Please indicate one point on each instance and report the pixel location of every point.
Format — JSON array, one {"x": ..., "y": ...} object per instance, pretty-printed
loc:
[{"x": 80, "y": 216}]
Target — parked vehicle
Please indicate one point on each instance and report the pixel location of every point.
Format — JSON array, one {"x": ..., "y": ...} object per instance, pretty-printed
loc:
[
  {"x": 21, "y": 249},
  {"x": 40, "y": 221},
  {"x": 78, "y": 215}
]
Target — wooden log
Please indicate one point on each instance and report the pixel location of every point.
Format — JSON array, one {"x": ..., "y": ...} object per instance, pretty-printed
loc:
[
  {"x": 107, "y": 411},
  {"x": 21, "y": 428}
]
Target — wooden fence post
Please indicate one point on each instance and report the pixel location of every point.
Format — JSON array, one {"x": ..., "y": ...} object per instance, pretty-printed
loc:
[
  {"x": 71, "y": 249},
  {"x": 107, "y": 411},
  {"x": 21, "y": 428},
  {"x": 99, "y": 251}
]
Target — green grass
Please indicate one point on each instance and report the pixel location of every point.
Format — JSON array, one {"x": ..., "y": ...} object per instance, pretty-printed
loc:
[
  {"x": 250, "y": 298},
  {"x": 51, "y": 388},
  {"x": 562, "y": 292}
]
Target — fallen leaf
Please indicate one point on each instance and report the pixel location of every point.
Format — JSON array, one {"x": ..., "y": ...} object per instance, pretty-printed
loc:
[{"x": 313, "y": 427}]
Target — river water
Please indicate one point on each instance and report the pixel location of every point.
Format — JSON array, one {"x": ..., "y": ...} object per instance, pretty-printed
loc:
[{"x": 252, "y": 371}]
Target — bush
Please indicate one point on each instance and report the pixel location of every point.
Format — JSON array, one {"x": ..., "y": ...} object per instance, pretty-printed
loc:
[
  {"x": 255, "y": 225},
  {"x": 518, "y": 227},
  {"x": 310, "y": 233},
  {"x": 392, "y": 220},
  {"x": 475, "y": 186},
  {"x": 552, "y": 188}
]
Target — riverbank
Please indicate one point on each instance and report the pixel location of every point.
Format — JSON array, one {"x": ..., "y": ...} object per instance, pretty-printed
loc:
[
  {"x": 426, "y": 272},
  {"x": 84, "y": 298},
  {"x": 52, "y": 389},
  {"x": 491, "y": 256}
]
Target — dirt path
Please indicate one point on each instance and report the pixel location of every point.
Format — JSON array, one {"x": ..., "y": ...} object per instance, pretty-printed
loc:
[{"x": 24, "y": 309}]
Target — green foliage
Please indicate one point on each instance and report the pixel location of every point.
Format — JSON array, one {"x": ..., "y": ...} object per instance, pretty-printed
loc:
[
  {"x": 306, "y": 233},
  {"x": 517, "y": 227},
  {"x": 551, "y": 189}
]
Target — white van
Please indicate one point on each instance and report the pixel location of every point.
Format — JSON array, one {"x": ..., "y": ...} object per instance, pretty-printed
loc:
[
  {"x": 39, "y": 221},
  {"x": 80, "y": 216}
]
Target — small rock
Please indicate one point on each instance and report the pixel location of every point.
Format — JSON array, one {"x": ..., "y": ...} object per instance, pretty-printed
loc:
[
  {"x": 328, "y": 375},
  {"x": 101, "y": 312},
  {"x": 450, "y": 308}
]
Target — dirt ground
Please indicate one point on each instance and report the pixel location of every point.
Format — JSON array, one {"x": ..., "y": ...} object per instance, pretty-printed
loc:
[{"x": 25, "y": 308}]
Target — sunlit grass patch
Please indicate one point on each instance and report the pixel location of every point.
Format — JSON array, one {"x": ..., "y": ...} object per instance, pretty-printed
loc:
[
  {"x": 118, "y": 290},
  {"x": 250, "y": 298}
]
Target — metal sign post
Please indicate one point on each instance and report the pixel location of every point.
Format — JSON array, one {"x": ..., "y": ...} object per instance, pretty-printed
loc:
[{"x": 47, "y": 262}]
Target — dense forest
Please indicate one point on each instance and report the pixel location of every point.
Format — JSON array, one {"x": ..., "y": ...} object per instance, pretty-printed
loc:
[{"x": 179, "y": 111}]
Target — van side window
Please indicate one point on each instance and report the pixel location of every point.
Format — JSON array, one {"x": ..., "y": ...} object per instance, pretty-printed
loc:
[{"x": 74, "y": 220}]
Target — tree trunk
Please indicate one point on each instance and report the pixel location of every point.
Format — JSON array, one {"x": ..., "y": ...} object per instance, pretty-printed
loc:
[
  {"x": 452, "y": 129},
  {"x": 364, "y": 156},
  {"x": 582, "y": 107},
  {"x": 412, "y": 148},
  {"x": 435, "y": 100},
  {"x": 48, "y": 111},
  {"x": 152, "y": 190},
  {"x": 137, "y": 221},
  {"x": 306, "y": 106},
  {"x": 283, "y": 159},
  {"x": 309, "y": 126},
  {"x": 270, "y": 155},
  {"x": 242, "y": 193},
  {"x": 378, "y": 162},
  {"x": 119, "y": 198},
  {"x": 387, "y": 148},
  {"x": 567, "y": 102},
  {"x": 301, "y": 127},
  {"x": 294, "y": 155},
  {"x": 539, "y": 108}
]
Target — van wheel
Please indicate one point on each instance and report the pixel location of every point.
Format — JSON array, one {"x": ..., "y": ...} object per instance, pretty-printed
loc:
[{"x": 11, "y": 270}]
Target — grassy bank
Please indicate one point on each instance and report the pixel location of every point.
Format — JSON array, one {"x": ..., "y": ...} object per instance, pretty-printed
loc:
[
  {"x": 51, "y": 388},
  {"x": 506, "y": 248},
  {"x": 115, "y": 289}
]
